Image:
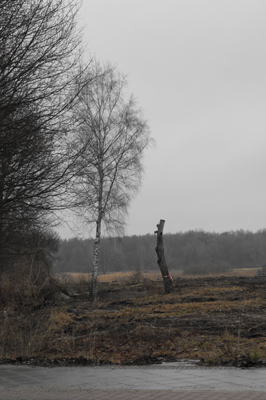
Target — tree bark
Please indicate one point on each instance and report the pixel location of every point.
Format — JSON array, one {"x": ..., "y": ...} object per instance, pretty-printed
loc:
[
  {"x": 96, "y": 253},
  {"x": 167, "y": 279}
]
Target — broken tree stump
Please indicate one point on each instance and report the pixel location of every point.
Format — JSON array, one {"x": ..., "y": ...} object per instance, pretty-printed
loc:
[{"x": 167, "y": 279}]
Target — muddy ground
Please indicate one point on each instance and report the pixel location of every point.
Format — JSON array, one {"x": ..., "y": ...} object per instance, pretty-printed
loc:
[{"x": 217, "y": 320}]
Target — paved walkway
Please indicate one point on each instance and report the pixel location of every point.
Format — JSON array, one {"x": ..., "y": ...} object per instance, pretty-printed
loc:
[{"x": 173, "y": 381}]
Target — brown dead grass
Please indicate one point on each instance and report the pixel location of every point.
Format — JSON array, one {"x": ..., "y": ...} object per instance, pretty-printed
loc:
[
  {"x": 152, "y": 276},
  {"x": 215, "y": 319}
]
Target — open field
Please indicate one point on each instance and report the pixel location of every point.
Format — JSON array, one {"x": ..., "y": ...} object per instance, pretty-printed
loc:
[
  {"x": 154, "y": 276},
  {"x": 217, "y": 319}
]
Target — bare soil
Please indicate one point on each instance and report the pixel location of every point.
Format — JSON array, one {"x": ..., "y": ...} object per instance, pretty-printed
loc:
[{"x": 217, "y": 320}]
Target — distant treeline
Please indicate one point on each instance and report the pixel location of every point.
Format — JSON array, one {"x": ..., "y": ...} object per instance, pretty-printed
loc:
[{"x": 192, "y": 252}]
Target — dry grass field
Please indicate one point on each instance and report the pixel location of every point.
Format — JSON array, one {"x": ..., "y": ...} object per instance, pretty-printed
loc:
[
  {"x": 153, "y": 276},
  {"x": 215, "y": 319}
]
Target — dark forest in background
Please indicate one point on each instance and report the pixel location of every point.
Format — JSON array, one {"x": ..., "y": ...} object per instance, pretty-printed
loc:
[{"x": 193, "y": 252}]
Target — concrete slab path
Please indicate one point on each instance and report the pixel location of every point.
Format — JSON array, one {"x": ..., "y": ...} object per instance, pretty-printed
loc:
[{"x": 169, "y": 381}]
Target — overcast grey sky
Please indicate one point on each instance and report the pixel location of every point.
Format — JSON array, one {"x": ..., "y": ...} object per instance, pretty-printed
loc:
[{"x": 198, "y": 71}]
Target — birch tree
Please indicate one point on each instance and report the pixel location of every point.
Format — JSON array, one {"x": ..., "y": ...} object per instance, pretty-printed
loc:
[{"x": 114, "y": 134}]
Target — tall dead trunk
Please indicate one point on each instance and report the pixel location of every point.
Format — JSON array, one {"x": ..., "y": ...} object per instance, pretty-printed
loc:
[
  {"x": 95, "y": 263},
  {"x": 167, "y": 279}
]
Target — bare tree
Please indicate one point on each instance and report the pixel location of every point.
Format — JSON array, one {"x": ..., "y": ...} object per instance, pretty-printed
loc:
[
  {"x": 40, "y": 66},
  {"x": 114, "y": 135},
  {"x": 167, "y": 279}
]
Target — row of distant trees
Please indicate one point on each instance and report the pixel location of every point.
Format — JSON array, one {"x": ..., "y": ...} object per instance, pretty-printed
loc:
[
  {"x": 70, "y": 136},
  {"x": 193, "y": 252}
]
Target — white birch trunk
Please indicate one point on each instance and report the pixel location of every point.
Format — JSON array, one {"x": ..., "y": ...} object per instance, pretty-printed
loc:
[{"x": 95, "y": 263}]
